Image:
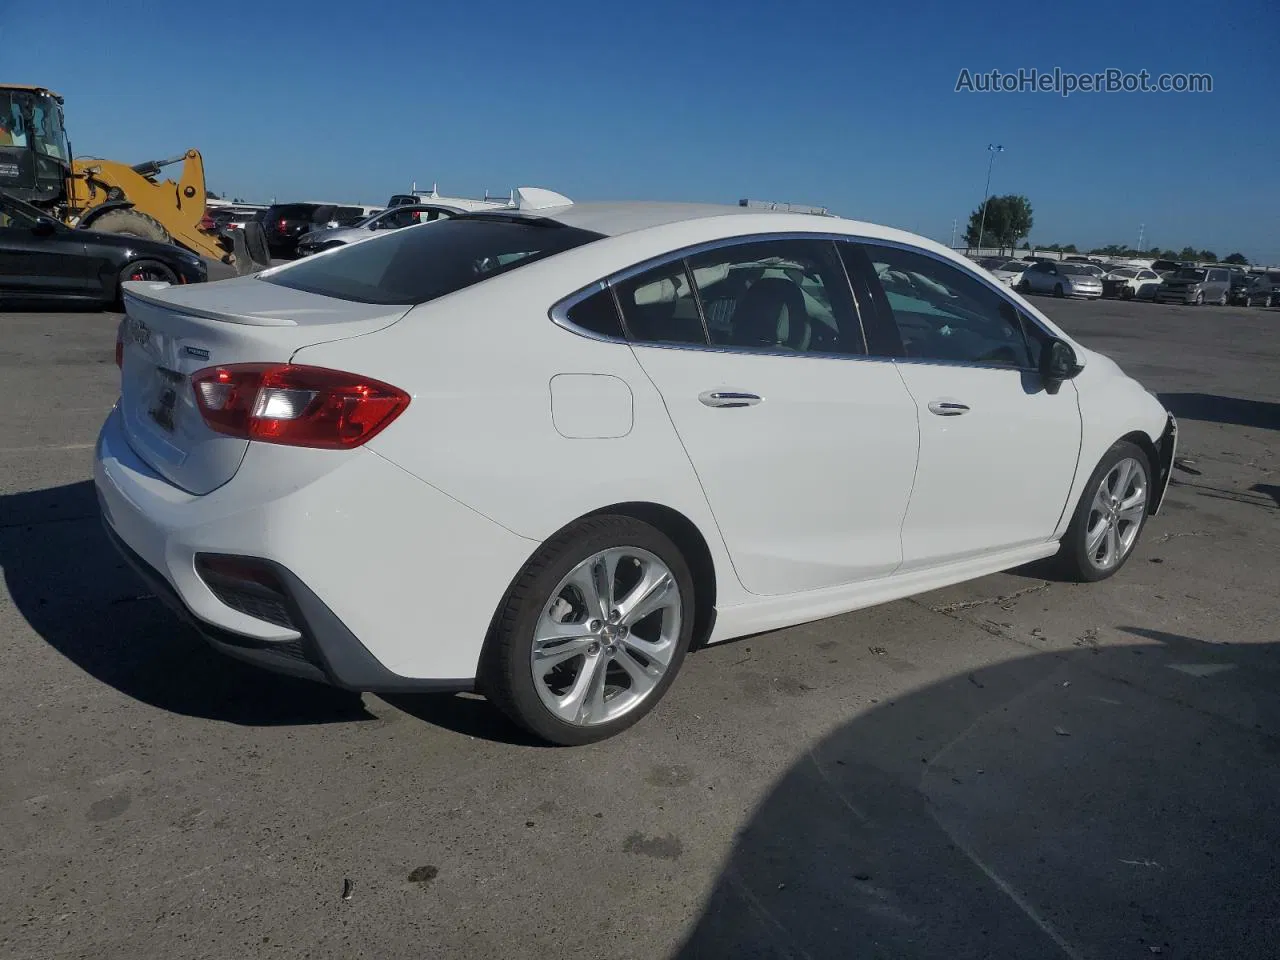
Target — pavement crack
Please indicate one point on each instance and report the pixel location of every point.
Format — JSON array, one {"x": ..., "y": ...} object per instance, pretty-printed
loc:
[{"x": 1003, "y": 600}]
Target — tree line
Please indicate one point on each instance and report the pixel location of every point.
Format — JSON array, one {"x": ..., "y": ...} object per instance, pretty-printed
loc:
[{"x": 1005, "y": 222}]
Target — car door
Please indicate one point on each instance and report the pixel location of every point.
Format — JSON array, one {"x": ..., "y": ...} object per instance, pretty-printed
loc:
[
  {"x": 39, "y": 257},
  {"x": 804, "y": 445},
  {"x": 998, "y": 451}
]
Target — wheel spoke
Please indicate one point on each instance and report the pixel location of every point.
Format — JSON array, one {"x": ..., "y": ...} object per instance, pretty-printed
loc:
[
  {"x": 1138, "y": 499},
  {"x": 594, "y": 580},
  {"x": 652, "y": 593},
  {"x": 1133, "y": 515},
  {"x": 659, "y": 653},
  {"x": 1096, "y": 533},
  {"x": 570, "y": 706},
  {"x": 1111, "y": 547},
  {"x": 643, "y": 679},
  {"x": 555, "y": 643},
  {"x": 1122, "y": 471},
  {"x": 592, "y": 709}
]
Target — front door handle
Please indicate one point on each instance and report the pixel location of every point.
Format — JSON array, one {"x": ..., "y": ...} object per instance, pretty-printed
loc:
[
  {"x": 948, "y": 408},
  {"x": 728, "y": 398}
]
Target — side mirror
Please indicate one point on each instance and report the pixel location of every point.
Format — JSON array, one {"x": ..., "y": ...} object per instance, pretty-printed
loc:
[
  {"x": 1058, "y": 363},
  {"x": 45, "y": 227}
]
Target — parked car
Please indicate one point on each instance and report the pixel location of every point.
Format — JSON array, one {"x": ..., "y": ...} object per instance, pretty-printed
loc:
[
  {"x": 1196, "y": 285},
  {"x": 391, "y": 219},
  {"x": 438, "y": 399},
  {"x": 1061, "y": 279},
  {"x": 1129, "y": 283},
  {"x": 1165, "y": 266},
  {"x": 1009, "y": 272},
  {"x": 42, "y": 259},
  {"x": 1259, "y": 290},
  {"x": 285, "y": 223}
]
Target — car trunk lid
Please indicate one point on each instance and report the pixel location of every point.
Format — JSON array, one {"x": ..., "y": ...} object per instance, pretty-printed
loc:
[{"x": 169, "y": 333}]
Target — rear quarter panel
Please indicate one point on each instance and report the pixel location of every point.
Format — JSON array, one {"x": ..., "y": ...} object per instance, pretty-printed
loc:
[{"x": 479, "y": 365}]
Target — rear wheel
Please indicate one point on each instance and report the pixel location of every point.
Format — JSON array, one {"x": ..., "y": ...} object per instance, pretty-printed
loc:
[
  {"x": 593, "y": 631},
  {"x": 1110, "y": 516},
  {"x": 1126, "y": 293},
  {"x": 1222, "y": 300},
  {"x": 131, "y": 223}
]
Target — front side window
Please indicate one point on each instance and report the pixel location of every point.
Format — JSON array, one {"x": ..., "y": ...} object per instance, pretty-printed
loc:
[
  {"x": 777, "y": 295},
  {"x": 943, "y": 313},
  {"x": 414, "y": 266}
]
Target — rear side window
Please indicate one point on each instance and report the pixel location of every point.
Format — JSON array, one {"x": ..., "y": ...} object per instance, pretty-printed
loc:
[
  {"x": 660, "y": 306},
  {"x": 415, "y": 266},
  {"x": 598, "y": 314}
]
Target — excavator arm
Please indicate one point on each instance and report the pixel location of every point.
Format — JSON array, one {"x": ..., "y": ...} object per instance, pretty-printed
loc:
[{"x": 177, "y": 207}]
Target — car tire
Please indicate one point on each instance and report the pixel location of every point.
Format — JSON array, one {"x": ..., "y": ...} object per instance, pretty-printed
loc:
[
  {"x": 570, "y": 690},
  {"x": 1199, "y": 301},
  {"x": 1058, "y": 292},
  {"x": 131, "y": 223},
  {"x": 1022, "y": 287},
  {"x": 143, "y": 270},
  {"x": 1223, "y": 300},
  {"x": 1103, "y": 533},
  {"x": 1126, "y": 293}
]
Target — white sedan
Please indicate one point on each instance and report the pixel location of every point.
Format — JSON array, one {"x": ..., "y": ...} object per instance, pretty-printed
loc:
[
  {"x": 1061, "y": 280},
  {"x": 1010, "y": 272},
  {"x": 541, "y": 452},
  {"x": 1129, "y": 283}
]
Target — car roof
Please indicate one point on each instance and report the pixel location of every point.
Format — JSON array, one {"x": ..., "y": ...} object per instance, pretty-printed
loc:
[{"x": 615, "y": 219}]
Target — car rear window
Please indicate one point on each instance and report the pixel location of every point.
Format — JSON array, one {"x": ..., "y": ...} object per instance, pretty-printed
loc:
[
  {"x": 293, "y": 211},
  {"x": 421, "y": 263}
]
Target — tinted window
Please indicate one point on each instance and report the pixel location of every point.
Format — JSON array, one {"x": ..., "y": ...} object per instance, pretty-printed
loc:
[
  {"x": 292, "y": 211},
  {"x": 785, "y": 295},
  {"x": 943, "y": 313},
  {"x": 414, "y": 266},
  {"x": 659, "y": 306},
  {"x": 347, "y": 214},
  {"x": 597, "y": 313}
]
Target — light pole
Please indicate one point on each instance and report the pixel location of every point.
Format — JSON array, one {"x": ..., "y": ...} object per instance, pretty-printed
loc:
[{"x": 993, "y": 149}]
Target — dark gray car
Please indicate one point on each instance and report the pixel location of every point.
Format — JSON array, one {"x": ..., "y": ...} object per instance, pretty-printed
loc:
[{"x": 1196, "y": 285}]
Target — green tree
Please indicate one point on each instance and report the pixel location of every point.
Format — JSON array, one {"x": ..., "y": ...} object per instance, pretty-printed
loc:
[
  {"x": 992, "y": 226},
  {"x": 1188, "y": 253},
  {"x": 1239, "y": 258},
  {"x": 1208, "y": 256},
  {"x": 1018, "y": 219},
  {"x": 1070, "y": 248},
  {"x": 1054, "y": 247}
]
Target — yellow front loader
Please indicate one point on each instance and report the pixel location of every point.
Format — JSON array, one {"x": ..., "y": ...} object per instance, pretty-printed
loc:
[{"x": 36, "y": 165}]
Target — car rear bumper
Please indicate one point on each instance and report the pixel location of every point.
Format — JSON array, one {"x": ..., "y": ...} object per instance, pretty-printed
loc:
[{"x": 385, "y": 584}]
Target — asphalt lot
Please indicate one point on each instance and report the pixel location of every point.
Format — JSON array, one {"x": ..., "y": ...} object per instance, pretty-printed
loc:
[{"x": 1015, "y": 767}]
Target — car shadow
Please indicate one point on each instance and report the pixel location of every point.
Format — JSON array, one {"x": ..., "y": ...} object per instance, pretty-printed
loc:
[
  {"x": 75, "y": 591},
  {"x": 1120, "y": 801},
  {"x": 1211, "y": 408}
]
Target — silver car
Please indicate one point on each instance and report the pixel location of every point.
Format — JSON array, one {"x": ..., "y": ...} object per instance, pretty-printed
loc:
[
  {"x": 393, "y": 218},
  {"x": 1196, "y": 285},
  {"x": 1061, "y": 280}
]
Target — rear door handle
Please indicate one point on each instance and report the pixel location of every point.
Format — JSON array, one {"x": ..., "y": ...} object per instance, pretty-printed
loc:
[
  {"x": 728, "y": 398},
  {"x": 948, "y": 408}
]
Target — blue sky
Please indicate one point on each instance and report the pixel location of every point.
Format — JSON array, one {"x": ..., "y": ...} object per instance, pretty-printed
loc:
[{"x": 851, "y": 106}]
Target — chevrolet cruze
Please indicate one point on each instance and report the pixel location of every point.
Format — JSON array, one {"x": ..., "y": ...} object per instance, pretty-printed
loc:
[{"x": 541, "y": 452}]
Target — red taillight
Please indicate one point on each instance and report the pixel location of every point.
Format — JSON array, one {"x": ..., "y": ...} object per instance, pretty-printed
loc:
[
  {"x": 283, "y": 224},
  {"x": 297, "y": 405}
]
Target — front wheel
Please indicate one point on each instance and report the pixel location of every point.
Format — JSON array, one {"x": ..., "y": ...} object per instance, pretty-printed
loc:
[
  {"x": 593, "y": 631},
  {"x": 1110, "y": 516},
  {"x": 1200, "y": 299},
  {"x": 1126, "y": 293},
  {"x": 1223, "y": 300},
  {"x": 1058, "y": 292}
]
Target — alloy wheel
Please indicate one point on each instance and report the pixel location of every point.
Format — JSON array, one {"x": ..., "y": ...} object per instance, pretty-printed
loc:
[
  {"x": 144, "y": 272},
  {"x": 606, "y": 636},
  {"x": 1116, "y": 514}
]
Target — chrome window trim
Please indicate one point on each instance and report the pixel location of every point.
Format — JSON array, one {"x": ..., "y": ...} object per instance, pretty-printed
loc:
[
  {"x": 992, "y": 284},
  {"x": 559, "y": 311}
]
